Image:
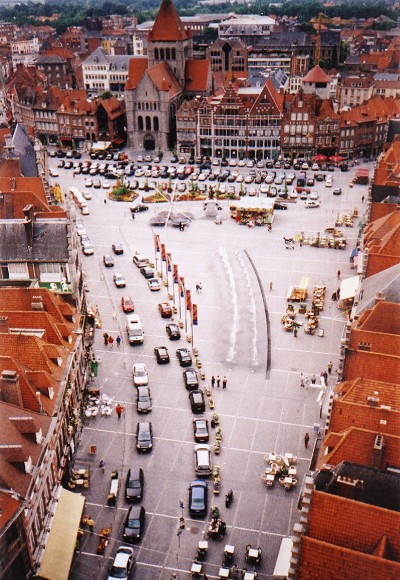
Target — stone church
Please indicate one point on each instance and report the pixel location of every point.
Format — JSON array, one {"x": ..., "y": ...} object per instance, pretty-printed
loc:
[{"x": 159, "y": 83}]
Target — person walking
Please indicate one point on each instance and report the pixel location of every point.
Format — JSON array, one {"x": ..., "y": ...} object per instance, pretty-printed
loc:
[
  {"x": 306, "y": 440},
  {"x": 270, "y": 286},
  {"x": 302, "y": 380},
  {"x": 313, "y": 379},
  {"x": 105, "y": 336},
  {"x": 362, "y": 199},
  {"x": 218, "y": 381},
  {"x": 90, "y": 523},
  {"x": 213, "y": 382},
  {"x": 118, "y": 409},
  {"x": 338, "y": 274},
  {"x": 118, "y": 341},
  {"x": 111, "y": 341},
  {"x": 224, "y": 382},
  {"x": 102, "y": 465},
  {"x": 330, "y": 367}
]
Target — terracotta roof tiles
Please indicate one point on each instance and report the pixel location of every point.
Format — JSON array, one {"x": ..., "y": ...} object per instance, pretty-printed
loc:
[
  {"x": 197, "y": 75},
  {"x": 164, "y": 79},
  {"x": 168, "y": 26},
  {"x": 137, "y": 68},
  {"x": 317, "y": 75}
]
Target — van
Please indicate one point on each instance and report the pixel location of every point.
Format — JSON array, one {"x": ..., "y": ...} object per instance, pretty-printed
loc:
[
  {"x": 134, "y": 329},
  {"x": 202, "y": 460}
]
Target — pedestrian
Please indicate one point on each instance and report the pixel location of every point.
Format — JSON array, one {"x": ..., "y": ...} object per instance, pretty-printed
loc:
[
  {"x": 218, "y": 381},
  {"x": 306, "y": 440},
  {"x": 224, "y": 382},
  {"x": 105, "y": 336},
  {"x": 118, "y": 409},
  {"x": 301, "y": 380},
  {"x": 338, "y": 274},
  {"x": 90, "y": 523},
  {"x": 102, "y": 465},
  {"x": 326, "y": 378},
  {"x": 133, "y": 215},
  {"x": 111, "y": 341},
  {"x": 306, "y": 382},
  {"x": 330, "y": 367},
  {"x": 105, "y": 201},
  {"x": 295, "y": 330},
  {"x": 362, "y": 199},
  {"x": 213, "y": 382},
  {"x": 313, "y": 379},
  {"x": 114, "y": 315},
  {"x": 270, "y": 286},
  {"x": 118, "y": 341},
  {"x": 301, "y": 242},
  {"x": 270, "y": 227},
  {"x": 97, "y": 311}
]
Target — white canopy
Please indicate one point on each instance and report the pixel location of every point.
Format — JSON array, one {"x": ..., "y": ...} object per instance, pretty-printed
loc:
[
  {"x": 282, "y": 564},
  {"x": 349, "y": 287}
]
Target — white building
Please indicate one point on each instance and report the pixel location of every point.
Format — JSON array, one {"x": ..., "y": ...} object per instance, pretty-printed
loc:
[
  {"x": 246, "y": 25},
  {"x": 24, "y": 51},
  {"x": 105, "y": 72}
]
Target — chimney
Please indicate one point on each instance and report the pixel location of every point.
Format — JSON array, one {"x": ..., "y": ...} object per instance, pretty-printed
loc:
[
  {"x": 10, "y": 391},
  {"x": 37, "y": 303},
  {"x": 28, "y": 223},
  {"x": 12, "y": 184},
  {"x": 377, "y": 454},
  {"x": 4, "y": 328},
  {"x": 348, "y": 487},
  {"x": 379, "y": 297}
]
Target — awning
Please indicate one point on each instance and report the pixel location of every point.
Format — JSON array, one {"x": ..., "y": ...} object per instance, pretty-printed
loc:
[
  {"x": 100, "y": 145},
  {"x": 304, "y": 282},
  {"x": 349, "y": 287},
  {"x": 283, "y": 561},
  {"x": 118, "y": 141},
  {"x": 60, "y": 547}
]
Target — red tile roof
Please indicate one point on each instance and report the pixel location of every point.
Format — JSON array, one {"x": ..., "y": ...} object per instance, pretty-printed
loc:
[
  {"x": 197, "y": 75},
  {"x": 164, "y": 79},
  {"x": 168, "y": 26},
  {"x": 137, "y": 68},
  {"x": 317, "y": 75}
]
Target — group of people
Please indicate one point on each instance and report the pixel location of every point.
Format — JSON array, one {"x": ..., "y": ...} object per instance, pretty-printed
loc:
[
  {"x": 217, "y": 381},
  {"x": 109, "y": 340},
  {"x": 305, "y": 380}
]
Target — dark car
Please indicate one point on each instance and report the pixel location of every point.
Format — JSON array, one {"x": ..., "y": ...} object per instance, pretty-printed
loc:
[
  {"x": 134, "y": 484},
  {"x": 143, "y": 400},
  {"x": 108, "y": 261},
  {"x": 144, "y": 436},
  {"x": 60, "y": 153},
  {"x": 139, "y": 208},
  {"x": 173, "y": 331},
  {"x": 279, "y": 205},
  {"x": 184, "y": 357},
  {"x": 162, "y": 354},
  {"x": 337, "y": 191},
  {"x": 200, "y": 429},
  {"x": 165, "y": 309},
  {"x": 198, "y": 497},
  {"x": 197, "y": 401},
  {"x": 127, "y": 304},
  {"x": 117, "y": 249},
  {"x": 147, "y": 272},
  {"x": 191, "y": 379},
  {"x": 134, "y": 524}
]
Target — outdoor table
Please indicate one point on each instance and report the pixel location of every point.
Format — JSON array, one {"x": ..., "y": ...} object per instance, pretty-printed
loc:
[
  {"x": 229, "y": 549},
  {"x": 270, "y": 479},
  {"x": 253, "y": 552},
  {"x": 203, "y": 545},
  {"x": 196, "y": 568},
  {"x": 292, "y": 470},
  {"x": 223, "y": 573}
]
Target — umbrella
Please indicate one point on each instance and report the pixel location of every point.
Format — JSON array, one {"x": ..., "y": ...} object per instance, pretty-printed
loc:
[
  {"x": 336, "y": 158},
  {"x": 319, "y": 157}
]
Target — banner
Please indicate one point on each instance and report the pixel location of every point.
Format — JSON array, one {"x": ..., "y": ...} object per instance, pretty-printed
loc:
[
  {"x": 169, "y": 262},
  {"x": 175, "y": 273},
  {"x": 194, "y": 314},
  {"x": 163, "y": 253},
  {"x": 188, "y": 300},
  {"x": 182, "y": 286},
  {"x": 157, "y": 243}
]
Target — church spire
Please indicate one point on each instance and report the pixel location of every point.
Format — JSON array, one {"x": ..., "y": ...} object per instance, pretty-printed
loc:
[{"x": 168, "y": 26}]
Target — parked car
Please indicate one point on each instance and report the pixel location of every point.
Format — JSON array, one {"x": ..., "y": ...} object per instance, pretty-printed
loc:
[
  {"x": 134, "y": 524},
  {"x": 134, "y": 484},
  {"x": 337, "y": 191},
  {"x": 143, "y": 400},
  {"x": 202, "y": 460},
  {"x": 53, "y": 173},
  {"x": 108, "y": 261},
  {"x": 162, "y": 355},
  {"x": 139, "y": 208},
  {"x": 86, "y": 195},
  {"x": 147, "y": 272},
  {"x": 165, "y": 309},
  {"x": 123, "y": 563},
  {"x": 184, "y": 357},
  {"x": 191, "y": 379},
  {"x": 280, "y": 205},
  {"x": 200, "y": 429},
  {"x": 139, "y": 260},
  {"x": 313, "y": 195},
  {"x": 173, "y": 331},
  {"x": 140, "y": 376},
  {"x": 154, "y": 284},
  {"x": 144, "y": 436},
  {"x": 117, "y": 249},
  {"x": 198, "y": 497},
  {"x": 119, "y": 281},
  {"x": 87, "y": 248},
  {"x": 197, "y": 401},
  {"x": 127, "y": 304},
  {"x": 97, "y": 183},
  {"x": 311, "y": 203}
]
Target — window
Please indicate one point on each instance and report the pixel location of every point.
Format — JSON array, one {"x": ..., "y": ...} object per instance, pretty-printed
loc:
[
  {"x": 140, "y": 123},
  {"x": 148, "y": 124},
  {"x": 18, "y": 271},
  {"x": 155, "y": 124}
]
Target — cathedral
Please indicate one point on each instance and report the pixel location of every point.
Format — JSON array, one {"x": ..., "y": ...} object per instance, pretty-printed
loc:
[{"x": 158, "y": 84}]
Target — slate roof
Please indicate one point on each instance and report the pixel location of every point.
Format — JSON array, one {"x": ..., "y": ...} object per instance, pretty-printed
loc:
[
  {"x": 168, "y": 26},
  {"x": 118, "y": 61},
  {"x": 50, "y": 242},
  {"x": 386, "y": 282},
  {"x": 25, "y": 151}
]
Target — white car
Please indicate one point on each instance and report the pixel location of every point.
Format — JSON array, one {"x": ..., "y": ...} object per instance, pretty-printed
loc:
[
  {"x": 315, "y": 167},
  {"x": 88, "y": 182},
  {"x": 85, "y": 210},
  {"x": 252, "y": 191},
  {"x": 215, "y": 162},
  {"x": 264, "y": 188},
  {"x": 106, "y": 184},
  {"x": 311, "y": 203},
  {"x": 87, "y": 248},
  {"x": 313, "y": 195},
  {"x": 140, "y": 376},
  {"x": 123, "y": 563},
  {"x": 241, "y": 163},
  {"x": 248, "y": 179},
  {"x": 86, "y": 195},
  {"x": 139, "y": 172},
  {"x": 293, "y": 194},
  {"x": 232, "y": 163},
  {"x": 53, "y": 173},
  {"x": 269, "y": 178},
  {"x": 250, "y": 163},
  {"x": 328, "y": 182},
  {"x": 202, "y": 177},
  {"x": 260, "y": 164},
  {"x": 240, "y": 179},
  {"x": 140, "y": 158},
  {"x": 304, "y": 165}
]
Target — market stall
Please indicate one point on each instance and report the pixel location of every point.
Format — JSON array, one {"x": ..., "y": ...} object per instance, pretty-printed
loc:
[
  {"x": 253, "y": 212},
  {"x": 348, "y": 291}
]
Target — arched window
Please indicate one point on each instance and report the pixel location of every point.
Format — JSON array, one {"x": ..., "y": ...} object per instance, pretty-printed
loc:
[
  {"x": 161, "y": 54},
  {"x": 87, "y": 136},
  {"x": 155, "y": 123},
  {"x": 173, "y": 55},
  {"x": 140, "y": 123},
  {"x": 167, "y": 54},
  {"x": 156, "y": 53},
  {"x": 148, "y": 124}
]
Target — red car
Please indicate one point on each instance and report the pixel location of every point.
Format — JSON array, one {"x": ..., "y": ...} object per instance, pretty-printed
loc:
[
  {"x": 127, "y": 304},
  {"x": 165, "y": 310}
]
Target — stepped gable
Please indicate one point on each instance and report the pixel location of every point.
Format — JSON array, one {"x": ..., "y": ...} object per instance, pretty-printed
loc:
[{"x": 168, "y": 26}]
